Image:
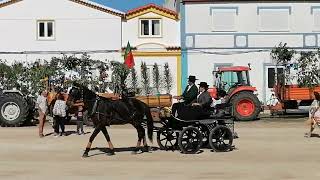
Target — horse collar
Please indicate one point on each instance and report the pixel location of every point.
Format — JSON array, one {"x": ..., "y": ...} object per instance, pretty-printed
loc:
[{"x": 94, "y": 109}]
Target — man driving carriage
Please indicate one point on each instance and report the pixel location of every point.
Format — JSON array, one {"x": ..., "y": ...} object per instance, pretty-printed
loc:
[
  {"x": 199, "y": 108},
  {"x": 190, "y": 94}
]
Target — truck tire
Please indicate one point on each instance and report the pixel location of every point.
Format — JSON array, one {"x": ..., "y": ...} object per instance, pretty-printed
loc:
[
  {"x": 245, "y": 106},
  {"x": 13, "y": 110}
]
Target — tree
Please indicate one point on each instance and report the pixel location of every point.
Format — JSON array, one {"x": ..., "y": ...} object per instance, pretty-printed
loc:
[
  {"x": 156, "y": 78},
  {"x": 134, "y": 80},
  {"x": 306, "y": 62},
  {"x": 282, "y": 56},
  {"x": 145, "y": 80},
  {"x": 167, "y": 80},
  {"x": 309, "y": 71}
]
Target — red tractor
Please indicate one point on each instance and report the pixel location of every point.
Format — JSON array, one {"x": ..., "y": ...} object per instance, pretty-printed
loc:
[{"x": 232, "y": 86}]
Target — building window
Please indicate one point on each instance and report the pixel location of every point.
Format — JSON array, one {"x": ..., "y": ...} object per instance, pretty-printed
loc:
[
  {"x": 150, "y": 27},
  {"x": 224, "y": 18},
  {"x": 316, "y": 18},
  {"x": 272, "y": 75},
  {"x": 274, "y": 18},
  {"x": 46, "y": 30}
]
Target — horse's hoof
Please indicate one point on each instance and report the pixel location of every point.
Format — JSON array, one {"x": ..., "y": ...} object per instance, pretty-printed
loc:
[
  {"x": 307, "y": 135},
  {"x": 135, "y": 151},
  {"x": 111, "y": 153},
  {"x": 85, "y": 155},
  {"x": 145, "y": 149}
]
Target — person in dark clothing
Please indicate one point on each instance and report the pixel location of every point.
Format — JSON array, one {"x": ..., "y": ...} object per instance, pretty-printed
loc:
[
  {"x": 200, "y": 107},
  {"x": 204, "y": 99},
  {"x": 189, "y": 95}
]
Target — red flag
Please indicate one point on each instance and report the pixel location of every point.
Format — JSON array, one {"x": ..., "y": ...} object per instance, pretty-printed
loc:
[{"x": 128, "y": 57}]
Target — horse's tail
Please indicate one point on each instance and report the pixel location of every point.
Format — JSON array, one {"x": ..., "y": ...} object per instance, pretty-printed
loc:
[{"x": 149, "y": 124}]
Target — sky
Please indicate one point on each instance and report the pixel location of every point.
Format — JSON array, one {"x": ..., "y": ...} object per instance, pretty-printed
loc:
[{"x": 125, "y": 5}]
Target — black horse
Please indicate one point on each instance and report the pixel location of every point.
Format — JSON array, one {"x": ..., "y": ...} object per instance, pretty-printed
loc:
[{"x": 105, "y": 112}]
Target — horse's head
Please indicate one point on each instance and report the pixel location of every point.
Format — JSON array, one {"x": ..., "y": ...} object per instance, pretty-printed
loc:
[{"x": 75, "y": 93}]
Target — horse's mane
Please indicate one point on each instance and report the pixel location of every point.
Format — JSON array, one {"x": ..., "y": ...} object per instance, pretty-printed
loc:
[{"x": 89, "y": 92}]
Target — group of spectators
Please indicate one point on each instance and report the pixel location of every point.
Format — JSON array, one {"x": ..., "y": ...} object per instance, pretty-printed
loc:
[{"x": 60, "y": 112}]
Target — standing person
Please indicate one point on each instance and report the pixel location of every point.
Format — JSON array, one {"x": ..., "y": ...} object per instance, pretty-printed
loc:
[
  {"x": 42, "y": 109},
  {"x": 80, "y": 115},
  {"x": 190, "y": 94},
  {"x": 59, "y": 113},
  {"x": 314, "y": 115}
]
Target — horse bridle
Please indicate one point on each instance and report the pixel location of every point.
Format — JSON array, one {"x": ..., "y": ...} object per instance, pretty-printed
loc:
[{"x": 95, "y": 105}]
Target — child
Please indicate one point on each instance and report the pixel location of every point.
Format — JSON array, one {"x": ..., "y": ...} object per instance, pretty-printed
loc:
[{"x": 79, "y": 115}]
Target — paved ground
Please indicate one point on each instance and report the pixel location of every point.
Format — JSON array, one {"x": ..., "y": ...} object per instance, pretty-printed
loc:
[{"x": 272, "y": 148}]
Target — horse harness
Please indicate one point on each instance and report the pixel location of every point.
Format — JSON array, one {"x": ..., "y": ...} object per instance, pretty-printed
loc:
[{"x": 94, "y": 109}]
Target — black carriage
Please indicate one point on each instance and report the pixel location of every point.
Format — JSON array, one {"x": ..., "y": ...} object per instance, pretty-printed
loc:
[{"x": 191, "y": 135}]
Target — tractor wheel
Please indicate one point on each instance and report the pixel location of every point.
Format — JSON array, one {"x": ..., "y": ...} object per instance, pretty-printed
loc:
[
  {"x": 13, "y": 110},
  {"x": 246, "y": 106}
]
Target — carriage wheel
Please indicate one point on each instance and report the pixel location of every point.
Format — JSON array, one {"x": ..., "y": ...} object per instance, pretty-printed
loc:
[
  {"x": 190, "y": 140},
  {"x": 166, "y": 139},
  {"x": 221, "y": 138}
]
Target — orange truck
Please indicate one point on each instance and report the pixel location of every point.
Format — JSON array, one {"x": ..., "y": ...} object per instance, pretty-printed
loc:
[{"x": 293, "y": 96}]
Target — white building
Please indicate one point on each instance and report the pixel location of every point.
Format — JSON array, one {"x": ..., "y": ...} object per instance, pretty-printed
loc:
[
  {"x": 154, "y": 34},
  {"x": 226, "y": 33},
  {"x": 40, "y": 29}
]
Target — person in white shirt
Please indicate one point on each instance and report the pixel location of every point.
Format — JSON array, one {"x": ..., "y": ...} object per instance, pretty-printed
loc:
[
  {"x": 42, "y": 109},
  {"x": 59, "y": 112}
]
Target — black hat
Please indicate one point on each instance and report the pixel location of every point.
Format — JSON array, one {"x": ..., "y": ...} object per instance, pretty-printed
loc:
[
  {"x": 203, "y": 84},
  {"x": 192, "y": 78}
]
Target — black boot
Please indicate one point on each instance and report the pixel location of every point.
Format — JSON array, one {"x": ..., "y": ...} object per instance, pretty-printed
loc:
[
  {"x": 86, "y": 153},
  {"x": 111, "y": 152}
]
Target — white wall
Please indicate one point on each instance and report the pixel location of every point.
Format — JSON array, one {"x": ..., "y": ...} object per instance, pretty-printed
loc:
[
  {"x": 247, "y": 26},
  {"x": 170, "y": 31},
  {"x": 256, "y": 44},
  {"x": 199, "y": 20},
  {"x": 256, "y": 60},
  {"x": 77, "y": 27}
]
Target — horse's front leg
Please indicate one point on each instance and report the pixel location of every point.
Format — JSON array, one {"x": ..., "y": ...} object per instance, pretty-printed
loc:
[
  {"x": 92, "y": 137},
  {"x": 106, "y": 135},
  {"x": 141, "y": 136},
  {"x": 145, "y": 148}
]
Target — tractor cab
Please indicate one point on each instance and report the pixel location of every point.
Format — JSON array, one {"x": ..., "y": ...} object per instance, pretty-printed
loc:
[
  {"x": 232, "y": 84},
  {"x": 227, "y": 79}
]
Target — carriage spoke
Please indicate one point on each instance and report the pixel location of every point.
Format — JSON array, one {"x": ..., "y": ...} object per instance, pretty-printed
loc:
[{"x": 163, "y": 139}]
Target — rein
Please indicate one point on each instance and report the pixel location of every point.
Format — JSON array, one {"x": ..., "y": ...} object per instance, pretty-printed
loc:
[{"x": 96, "y": 101}]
